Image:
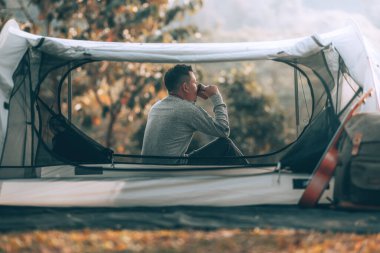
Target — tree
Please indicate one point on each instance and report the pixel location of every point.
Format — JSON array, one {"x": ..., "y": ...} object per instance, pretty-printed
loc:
[{"x": 256, "y": 120}]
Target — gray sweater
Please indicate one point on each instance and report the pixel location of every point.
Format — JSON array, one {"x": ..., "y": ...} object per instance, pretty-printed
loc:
[{"x": 173, "y": 121}]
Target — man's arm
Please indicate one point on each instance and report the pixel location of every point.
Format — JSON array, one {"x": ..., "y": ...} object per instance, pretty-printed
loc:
[{"x": 215, "y": 126}]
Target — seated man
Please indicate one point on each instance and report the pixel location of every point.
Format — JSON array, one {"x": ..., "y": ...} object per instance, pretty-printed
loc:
[{"x": 173, "y": 121}]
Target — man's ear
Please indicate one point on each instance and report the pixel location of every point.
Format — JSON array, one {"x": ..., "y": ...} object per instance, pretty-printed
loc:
[{"x": 185, "y": 87}]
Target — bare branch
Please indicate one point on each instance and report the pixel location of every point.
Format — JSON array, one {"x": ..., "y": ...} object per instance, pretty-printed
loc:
[{"x": 26, "y": 13}]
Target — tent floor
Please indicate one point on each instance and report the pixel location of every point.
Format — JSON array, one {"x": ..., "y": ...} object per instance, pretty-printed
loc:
[{"x": 229, "y": 187}]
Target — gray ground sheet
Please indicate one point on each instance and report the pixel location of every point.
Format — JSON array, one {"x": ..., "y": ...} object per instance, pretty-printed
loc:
[{"x": 323, "y": 218}]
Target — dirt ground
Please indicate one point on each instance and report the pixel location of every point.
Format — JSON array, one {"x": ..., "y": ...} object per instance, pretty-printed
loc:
[{"x": 221, "y": 240}]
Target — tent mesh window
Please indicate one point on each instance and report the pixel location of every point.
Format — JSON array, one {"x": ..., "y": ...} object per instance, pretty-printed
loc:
[
  {"x": 326, "y": 87},
  {"x": 305, "y": 153},
  {"x": 35, "y": 121},
  {"x": 45, "y": 137}
]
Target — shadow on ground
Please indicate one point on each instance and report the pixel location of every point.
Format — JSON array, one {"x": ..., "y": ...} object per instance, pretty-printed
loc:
[{"x": 182, "y": 217}]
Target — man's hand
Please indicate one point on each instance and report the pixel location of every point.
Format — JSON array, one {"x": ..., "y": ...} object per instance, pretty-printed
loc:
[{"x": 207, "y": 91}]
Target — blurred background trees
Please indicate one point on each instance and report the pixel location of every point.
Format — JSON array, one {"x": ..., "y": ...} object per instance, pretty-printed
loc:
[
  {"x": 249, "y": 105},
  {"x": 111, "y": 99}
]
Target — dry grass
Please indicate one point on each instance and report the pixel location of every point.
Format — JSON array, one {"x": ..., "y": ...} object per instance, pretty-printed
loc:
[{"x": 222, "y": 240}]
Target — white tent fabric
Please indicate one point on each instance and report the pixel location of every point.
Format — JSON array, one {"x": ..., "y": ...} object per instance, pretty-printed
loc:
[
  {"x": 359, "y": 56},
  {"x": 211, "y": 190},
  {"x": 12, "y": 49}
]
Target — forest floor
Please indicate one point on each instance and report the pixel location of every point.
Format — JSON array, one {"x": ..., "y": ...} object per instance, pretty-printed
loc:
[{"x": 219, "y": 240}]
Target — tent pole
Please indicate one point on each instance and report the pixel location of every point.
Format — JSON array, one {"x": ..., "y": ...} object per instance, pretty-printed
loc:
[
  {"x": 69, "y": 95},
  {"x": 296, "y": 102}
]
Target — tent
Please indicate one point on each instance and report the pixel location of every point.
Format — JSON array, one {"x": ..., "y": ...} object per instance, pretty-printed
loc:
[{"x": 47, "y": 161}]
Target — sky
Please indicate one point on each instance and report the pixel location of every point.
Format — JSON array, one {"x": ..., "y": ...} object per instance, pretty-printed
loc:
[{"x": 252, "y": 20}]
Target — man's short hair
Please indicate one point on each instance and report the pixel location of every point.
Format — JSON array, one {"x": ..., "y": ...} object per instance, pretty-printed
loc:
[{"x": 175, "y": 76}]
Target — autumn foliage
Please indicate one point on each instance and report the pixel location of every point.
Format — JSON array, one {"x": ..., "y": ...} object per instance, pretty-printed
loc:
[{"x": 222, "y": 240}]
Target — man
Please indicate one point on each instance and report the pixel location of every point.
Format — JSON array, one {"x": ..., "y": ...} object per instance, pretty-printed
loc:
[{"x": 173, "y": 121}]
